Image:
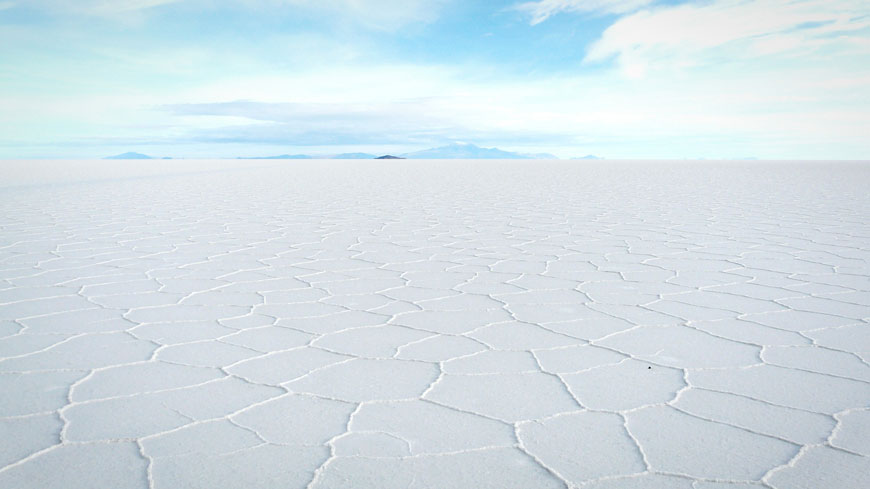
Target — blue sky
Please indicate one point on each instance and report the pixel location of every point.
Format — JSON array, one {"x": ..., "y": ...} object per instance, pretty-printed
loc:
[{"x": 619, "y": 78}]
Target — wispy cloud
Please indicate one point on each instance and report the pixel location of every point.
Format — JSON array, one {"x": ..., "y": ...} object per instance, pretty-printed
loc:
[
  {"x": 376, "y": 14},
  {"x": 730, "y": 31},
  {"x": 97, "y": 7},
  {"x": 315, "y": 124},
  {"x": 380, "y": 14},
  {"x": 541, "y": 10}
]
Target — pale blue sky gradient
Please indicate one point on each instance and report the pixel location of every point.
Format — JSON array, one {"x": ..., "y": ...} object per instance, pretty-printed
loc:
[{"x": 619, "y": 78}]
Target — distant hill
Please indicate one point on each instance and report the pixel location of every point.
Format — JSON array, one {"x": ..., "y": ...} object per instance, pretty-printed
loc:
[
  {"x": 587, "y": 157},
  {"x": 539, "y": 156},
  {"x": 353, "y": 156},
  {"x": 280, "y": 157},
  {"x": 130, "y": 156},
  {"x": 389, "y": 157},
  {"x": 471, "y": 151}
]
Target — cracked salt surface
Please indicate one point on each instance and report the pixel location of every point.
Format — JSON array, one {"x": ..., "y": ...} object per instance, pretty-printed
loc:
[{"x": 329, "y": 324}]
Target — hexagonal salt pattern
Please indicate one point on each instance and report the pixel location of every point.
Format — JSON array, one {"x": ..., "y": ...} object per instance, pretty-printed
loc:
[{"x": 377, "y": 324}]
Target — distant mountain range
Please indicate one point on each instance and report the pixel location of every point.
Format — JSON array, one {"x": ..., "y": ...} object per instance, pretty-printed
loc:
[
  {"x": 353, "y": 156},
  {"x": 472, "y": 151},
  {"x": 130, "y": 156},
  {"x": 279, "y": 157},
  {"x": 450, "y": 151},
  {"x": 587, "y": 157}
]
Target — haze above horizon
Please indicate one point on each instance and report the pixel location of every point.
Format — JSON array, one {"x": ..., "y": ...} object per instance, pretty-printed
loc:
[{"x": 773, "y": 79}]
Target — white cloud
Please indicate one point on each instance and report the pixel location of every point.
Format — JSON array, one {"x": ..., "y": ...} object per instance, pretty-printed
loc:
[
  {"x": 807, "y": 113},
  {"x": 541, "y": 10},
  {"x": 782, "y": 113},
  {"x": 733, "y": 30}
]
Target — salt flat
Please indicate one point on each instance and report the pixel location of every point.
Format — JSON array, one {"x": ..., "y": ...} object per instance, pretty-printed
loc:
[{"x": 434, "y": 324}]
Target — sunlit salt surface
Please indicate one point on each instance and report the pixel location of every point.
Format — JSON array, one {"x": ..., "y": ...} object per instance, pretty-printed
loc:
[{"x": 426, "y": 324}]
